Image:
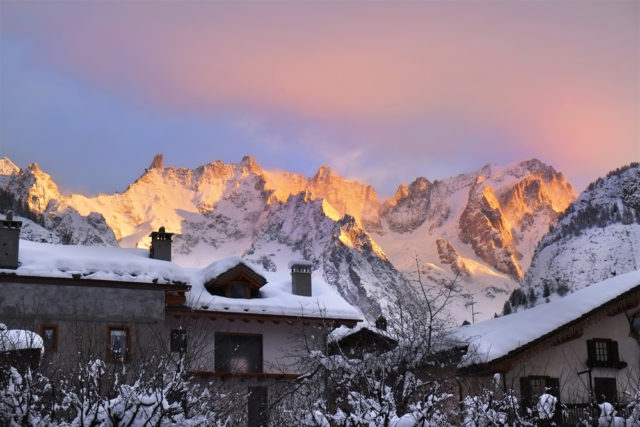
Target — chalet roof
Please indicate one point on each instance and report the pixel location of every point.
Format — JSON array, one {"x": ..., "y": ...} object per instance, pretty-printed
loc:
[
  {"x": 95, "y": 263},
  {"x": 91, "y": 264},
  {"x": 217, "y": 273},
  {"x": 276, "y": 298},
  {"x": 506, "y": 336}
]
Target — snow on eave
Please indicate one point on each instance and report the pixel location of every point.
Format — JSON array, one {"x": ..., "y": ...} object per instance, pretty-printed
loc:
[
  {"x": 345, "y": 331},
  {"x": 497, "y": 339}
]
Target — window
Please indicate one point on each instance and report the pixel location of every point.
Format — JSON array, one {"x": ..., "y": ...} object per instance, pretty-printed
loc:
[
  {"x": 238, "y": 353},
  {"x": 49, "y": 334},
  {"x": 179, "y": 340},
  {"x": 533, "y": 386},
  {"x": 603, "y": 353},
  {"x": 239, "y": 290},
  {"x": 605, "y": 390},
  {"x": 118, "y": 344}
]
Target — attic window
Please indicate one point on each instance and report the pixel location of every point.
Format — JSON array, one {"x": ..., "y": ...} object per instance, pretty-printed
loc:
[
  {"x": 237, "y": 282},
  {"x": 238, "y": 290}
]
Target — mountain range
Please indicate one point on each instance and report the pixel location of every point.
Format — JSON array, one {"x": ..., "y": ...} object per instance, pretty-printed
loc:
[{"x": 477, "y": 230}]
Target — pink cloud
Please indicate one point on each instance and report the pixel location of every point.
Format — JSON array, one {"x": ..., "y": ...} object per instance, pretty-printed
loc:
[{"x": 561, "y": 77}]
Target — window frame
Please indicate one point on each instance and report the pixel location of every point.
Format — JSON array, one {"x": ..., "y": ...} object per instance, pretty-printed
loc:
[
  {"x": 109, "y": 353},
  {"x": 219, "y": 351},
  {"x": 53, "y": 348},
  {"x": 594, "y": 354}
]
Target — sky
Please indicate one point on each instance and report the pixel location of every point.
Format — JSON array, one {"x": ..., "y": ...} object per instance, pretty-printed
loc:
[{"x": 382, "y": 92}]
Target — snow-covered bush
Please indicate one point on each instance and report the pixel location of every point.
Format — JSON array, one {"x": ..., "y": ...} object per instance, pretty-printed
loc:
[
  {"x": 490, "y": 407},
  {"x": 608, "y": 416},
  {"x": 546, "y": 406},
  {"x": 98, "y": 395}
]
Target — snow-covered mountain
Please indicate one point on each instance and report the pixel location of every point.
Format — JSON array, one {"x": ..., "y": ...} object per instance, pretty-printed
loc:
[
  {"x": 481, "y": 226},
  {"x": 597, "y": 237},
  {"x": 32, "y": 193}
]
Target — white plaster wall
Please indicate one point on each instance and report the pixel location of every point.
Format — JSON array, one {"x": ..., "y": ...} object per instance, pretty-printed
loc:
[
  {"x": 281, "y": 342},
  {"x": 564, "y": 361}
]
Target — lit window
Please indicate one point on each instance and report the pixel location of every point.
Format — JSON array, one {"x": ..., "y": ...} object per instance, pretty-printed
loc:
[
  {"x": 49, "y": 334},
  {"x": 118, "y": 344}
]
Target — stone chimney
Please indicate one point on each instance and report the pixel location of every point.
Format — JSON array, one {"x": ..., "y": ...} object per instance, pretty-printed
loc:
[
  {"x": 160, "y": 245},
  {"x": 301, "y": 277},
  {"x": 9, "y": 242}
]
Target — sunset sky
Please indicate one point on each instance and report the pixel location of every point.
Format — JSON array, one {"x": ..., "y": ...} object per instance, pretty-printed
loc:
[{"x": 382, "y": 92}]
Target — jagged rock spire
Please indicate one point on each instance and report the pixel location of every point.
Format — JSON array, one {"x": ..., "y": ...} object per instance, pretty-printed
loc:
[{"x": 157, "y": 162}]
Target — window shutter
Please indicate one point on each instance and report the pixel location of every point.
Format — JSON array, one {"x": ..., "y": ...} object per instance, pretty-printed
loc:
[
  {"x": 591, "y": 353},
  {"x": 525, "y": 391},
  {"x": 613, "y": 351}
]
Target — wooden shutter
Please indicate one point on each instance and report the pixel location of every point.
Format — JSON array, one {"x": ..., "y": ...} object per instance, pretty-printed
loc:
[
  {"x": 525, "y": 391},
  {"x": 591, "y": 353},
  {"x": 613, "y": 352}
]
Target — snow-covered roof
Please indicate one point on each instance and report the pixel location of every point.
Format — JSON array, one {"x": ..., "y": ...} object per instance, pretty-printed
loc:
[
  {"x": 495, "y": 338},
  {"x": 95, "y": 263},
  {"x": 19, "y": 339},
  {"x": 217, "y": 268},
  {"x": 134, "y": 265},
  {"x": 275, "y": 296},
  {"x": 344, "y": 331}
]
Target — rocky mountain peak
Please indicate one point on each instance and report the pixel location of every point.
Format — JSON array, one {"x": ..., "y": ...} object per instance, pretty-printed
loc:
[
  {"x": 35, "y": 188},
  {"x": 595, "y": 238},
  {"x": 401, "y": 193},
  {"x": 324, "y": 175},
  {"x": 7, "y": 167},
  {"x": 250, "y": 164},
  {"x": 157, "y": 162}
]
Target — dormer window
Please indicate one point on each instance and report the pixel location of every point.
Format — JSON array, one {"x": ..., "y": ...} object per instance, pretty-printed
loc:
[
  {"x": 239, "y": 282},
  {"x": 239, "y": 289}
]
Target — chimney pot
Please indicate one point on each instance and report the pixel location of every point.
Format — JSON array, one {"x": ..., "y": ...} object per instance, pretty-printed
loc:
[{"x": 301, "y": 277}]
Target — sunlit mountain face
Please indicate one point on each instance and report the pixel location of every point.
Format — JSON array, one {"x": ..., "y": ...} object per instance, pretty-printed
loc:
[{"x": 478, "y": 229}]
